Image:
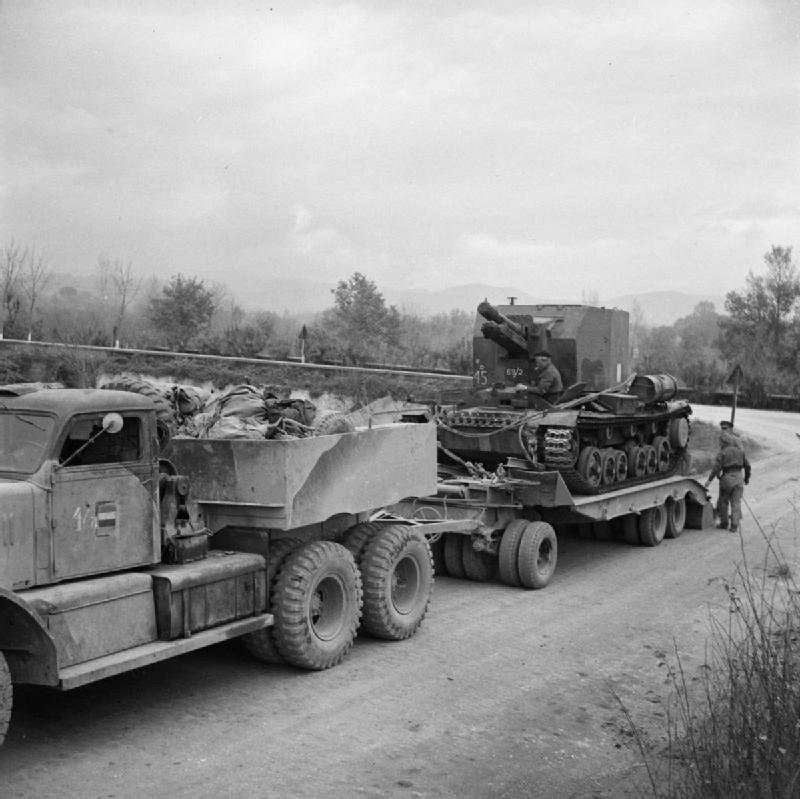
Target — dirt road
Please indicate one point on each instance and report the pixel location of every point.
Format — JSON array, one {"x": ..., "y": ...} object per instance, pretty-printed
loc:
[{"x": 502, "y": 693}]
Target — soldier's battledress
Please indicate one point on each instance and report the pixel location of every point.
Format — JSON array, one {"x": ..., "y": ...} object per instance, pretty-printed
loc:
[{"x": 733, "y": 470}]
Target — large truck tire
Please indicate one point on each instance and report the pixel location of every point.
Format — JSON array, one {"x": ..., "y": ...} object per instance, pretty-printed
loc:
[
  {"x": 397, "y": 572},
  {"x": 453, "y": 557},
  {"x": 508, "y": 555},
  {"x": 332, "y": 422},
  {"x": 6, "y": 697},
  {"x": 478, "y": 566},
  {"x": 537, "y": 556},
  {"x": 653, "y": 525},
  {"x": 165, "y": 415},
  {"x": 261, "y": 644},
  {"x": 676, "y": 517},
  {"x": 437, "y": 550},
  {"x": 317, "y": 605},
  {"x": 357, "y": 537}
]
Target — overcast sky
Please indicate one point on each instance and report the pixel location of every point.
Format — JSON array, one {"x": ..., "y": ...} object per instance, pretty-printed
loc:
[{"x": 559, "y": 147}]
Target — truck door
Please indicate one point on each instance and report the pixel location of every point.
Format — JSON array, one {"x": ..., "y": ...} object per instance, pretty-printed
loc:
[{"x": 104, "y": 497}]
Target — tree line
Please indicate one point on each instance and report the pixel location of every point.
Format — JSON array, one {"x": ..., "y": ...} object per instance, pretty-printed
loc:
[{"x": 759, "y": 330}]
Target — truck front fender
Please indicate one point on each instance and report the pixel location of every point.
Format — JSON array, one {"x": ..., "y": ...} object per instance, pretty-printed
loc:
[{"x": 27, "y": 645}]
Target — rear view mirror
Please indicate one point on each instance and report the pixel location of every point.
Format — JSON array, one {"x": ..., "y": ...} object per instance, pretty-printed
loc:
[{"x": 112, "y": 423}]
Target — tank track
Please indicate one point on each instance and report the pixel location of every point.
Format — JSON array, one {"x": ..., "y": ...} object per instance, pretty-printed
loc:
[{"x": 559, "y": 450}]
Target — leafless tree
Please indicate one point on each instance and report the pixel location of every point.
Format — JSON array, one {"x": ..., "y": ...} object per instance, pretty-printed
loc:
[
  {"x": 34, "y": 276},
  {"x": 12, "y": 257},
  {"x": 120, "y": 285}
]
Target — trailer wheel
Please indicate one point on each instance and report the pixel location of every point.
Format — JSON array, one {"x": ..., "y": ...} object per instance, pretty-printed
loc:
[
  {"x": 478, "y": 566},
  {"x": 602, "y": 530},
  {"x": 508, "y": 556},
  {"x": 453, "y": 559},
  {"x": 317, "y": 605},
  {"x": 6, "y": 697},
  {"x": 357, "y": 537},
  {"x": 653, "y": 525},
  {"x": 676, "y": 517},
  {"x": 261, "y": 643},
  {"x": 630, "y": 529},
  {"x": 397, "y": 570},
  {"x": 538, "y": 552}
]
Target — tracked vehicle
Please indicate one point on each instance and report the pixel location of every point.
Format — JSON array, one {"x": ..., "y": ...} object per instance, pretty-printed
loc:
[{"x": 608, "y": 429}]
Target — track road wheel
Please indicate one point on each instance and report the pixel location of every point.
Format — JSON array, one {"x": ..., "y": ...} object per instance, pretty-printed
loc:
[
  {"x": 508, "y": 556},
  {"x": 538, "y": 552},
  {"x": 317, "y": 605},
  {"x": 676, "y": 517},
  {"x": 6, "y": 697},
  {"x": 609, "y": 468},
  {"x": 621, "y": 463},
  {"x": 678, "y": 432},
  {"x": 630, "y": 529},
  {"x": 650, "y": 460},
  {"x": 653, "y": 525},
  {"x": 261, "y": 643},
  {"x": 637, "y": 462},
  {"x": 663, "y": 453},
  {"x": 590, "y": 466},
  {"x": 397, "y": 571},
  {"x": 453, "y": 559},
  {"x": 478, "y": 566},
  {"x": 357, "y": 537}
]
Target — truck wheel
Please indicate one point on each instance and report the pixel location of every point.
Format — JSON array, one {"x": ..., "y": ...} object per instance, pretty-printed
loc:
[
  {"x": 453, "y": 558},
  {"x": 538, "y": 552},
  {"x": 317, "y": 605},
  {"x": 261, "y": 644},
  {"x": 478, "y": 566},
  {"x": 6, "y": 697},
  {"x": 653, "y": 525},
  {"x": 357, "y": 537},
  {"x": 437, "y": 551},
  {"x": 508, "y": 556},
  {"x": 630, "y": 529},
  {"x": 332, "y": 422},
  {"x": 676, "y": 517},
  {"x": 397, "y": 570}
]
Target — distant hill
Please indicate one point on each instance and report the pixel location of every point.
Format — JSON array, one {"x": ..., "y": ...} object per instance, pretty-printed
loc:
[{"x": 664, "y": 307}]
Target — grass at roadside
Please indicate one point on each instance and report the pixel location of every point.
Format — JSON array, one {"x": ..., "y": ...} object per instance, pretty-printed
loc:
[{"x": 733, "y": 731}]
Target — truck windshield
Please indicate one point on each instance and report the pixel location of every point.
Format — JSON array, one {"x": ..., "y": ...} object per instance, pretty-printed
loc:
[{"x": 23, "y": 440}]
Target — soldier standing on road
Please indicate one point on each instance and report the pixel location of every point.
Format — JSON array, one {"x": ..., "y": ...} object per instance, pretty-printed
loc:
[
  {"x": 729, "y": 464},
  {"x": 545, "y": 379}
]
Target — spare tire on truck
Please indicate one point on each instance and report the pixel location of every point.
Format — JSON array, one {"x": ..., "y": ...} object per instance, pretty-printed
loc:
[{"x": 165, "y": 415}]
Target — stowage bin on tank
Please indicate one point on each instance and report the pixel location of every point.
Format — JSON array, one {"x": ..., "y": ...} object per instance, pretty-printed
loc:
[{"x": 606, "y": 429}]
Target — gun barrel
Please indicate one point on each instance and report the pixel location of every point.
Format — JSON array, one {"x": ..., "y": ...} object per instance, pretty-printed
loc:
[{"x": 488, "y": 311}]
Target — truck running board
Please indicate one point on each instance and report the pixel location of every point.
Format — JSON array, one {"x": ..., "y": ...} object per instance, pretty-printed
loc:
[{"x": 144, "y": 655}]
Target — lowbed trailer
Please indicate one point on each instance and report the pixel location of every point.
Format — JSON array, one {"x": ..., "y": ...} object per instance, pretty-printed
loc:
[{"x": 507, "y": 526}]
